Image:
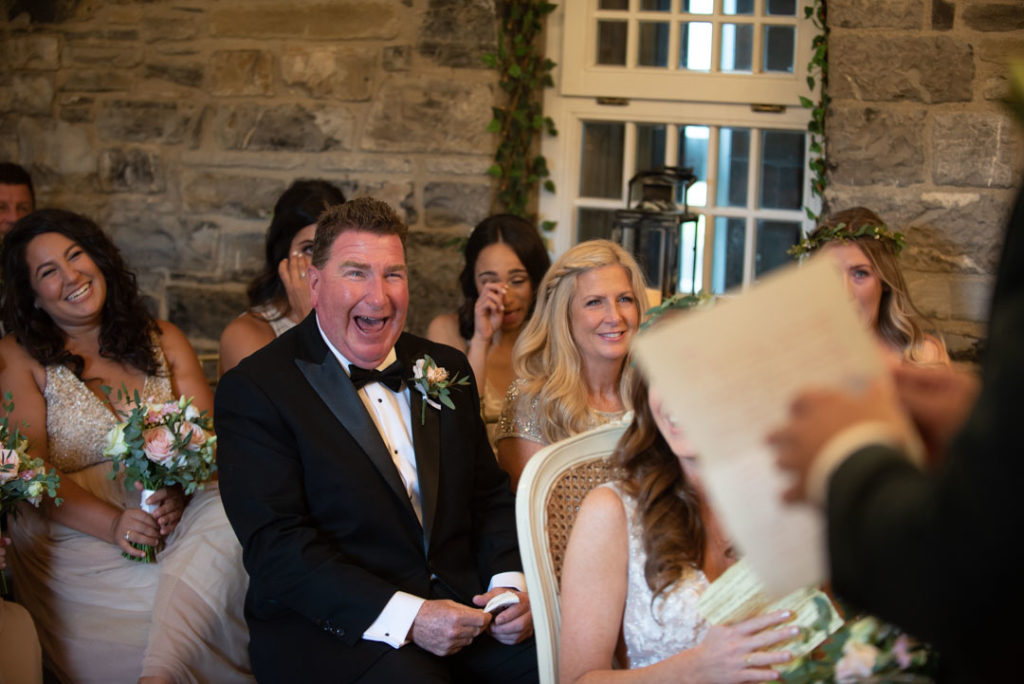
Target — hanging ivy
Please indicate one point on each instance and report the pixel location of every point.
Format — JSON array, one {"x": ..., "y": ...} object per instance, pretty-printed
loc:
[
  {"x": 524, "y": 72},
  {"x": 817, "y": 70}
]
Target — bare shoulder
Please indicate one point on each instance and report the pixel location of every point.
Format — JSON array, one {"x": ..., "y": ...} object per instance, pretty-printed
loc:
[
  {"x": 18, "y": 368},
  {"x": 602, "y": 508},
  {"x": 445, "y": 329},
  {"x": 933, "y": 351},
  {"x": 241, "y": 338}
]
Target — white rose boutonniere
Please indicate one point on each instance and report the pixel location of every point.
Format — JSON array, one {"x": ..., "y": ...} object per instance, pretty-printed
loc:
[{"x": 435, "y": 384}]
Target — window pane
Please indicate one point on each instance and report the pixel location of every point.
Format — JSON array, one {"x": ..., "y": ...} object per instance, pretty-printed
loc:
[
  {"x": 611, "y": 43},
  {"x": 782, "y": 169},
  {"x": 773, "y": 239},
  {"x": 614, "y": 5},
  {"x": 737, "y": 6},
  {"x": 601, "y": 165},
  {"x": 691, "y": 257},
  {"x": 781, "y": 8},
  {"x": 650, "y": 146},
  {"x": 733, "y": 166},
  {"x": 656, "y": 5},
  {"x": 653, "y": 44},
  {"x": 592, "y": 224},
  {"x": 778, "y": 48},
  {"x": 693, "y": 153},
  {"x": 698, "y": 6},
  {"x": 695, "y": 46},
  {"x": 728, "y": 264},
  {"x": 738, "y": 48}
]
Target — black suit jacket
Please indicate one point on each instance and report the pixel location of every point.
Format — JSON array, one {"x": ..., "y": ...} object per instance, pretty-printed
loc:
[
  {"x": 327, "y": 530},
  {"x": 936, "y": 553}
]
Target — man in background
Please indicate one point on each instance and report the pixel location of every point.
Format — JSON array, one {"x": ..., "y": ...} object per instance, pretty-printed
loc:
[{"x": 17, "y": 196}]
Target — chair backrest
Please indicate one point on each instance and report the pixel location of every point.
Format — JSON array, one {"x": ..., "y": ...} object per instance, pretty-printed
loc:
[{"x": 551, "y": 490}]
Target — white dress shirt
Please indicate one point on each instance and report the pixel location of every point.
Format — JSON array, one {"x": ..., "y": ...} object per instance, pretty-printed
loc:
[{"x": 391, "y": 413}]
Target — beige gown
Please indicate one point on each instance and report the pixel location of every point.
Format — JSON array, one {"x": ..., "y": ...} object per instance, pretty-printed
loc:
[{"x": 103, "y": 619}]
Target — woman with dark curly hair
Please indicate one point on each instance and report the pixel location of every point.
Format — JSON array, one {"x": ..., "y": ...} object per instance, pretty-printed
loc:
[
  {"x": 642, "y": 551},
  {"x": 279, "y": 296},
  {"x": 505, "y": 261},
  {"x": 78, "y": 324}
]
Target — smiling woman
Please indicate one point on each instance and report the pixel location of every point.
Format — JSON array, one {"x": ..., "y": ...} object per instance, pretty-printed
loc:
[{"x": 571, "y": 361}]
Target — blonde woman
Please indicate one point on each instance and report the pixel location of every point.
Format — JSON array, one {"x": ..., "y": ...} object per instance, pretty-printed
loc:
[
  {"x": 867, "y": 254},
  {"x": 571, "y": 359}
]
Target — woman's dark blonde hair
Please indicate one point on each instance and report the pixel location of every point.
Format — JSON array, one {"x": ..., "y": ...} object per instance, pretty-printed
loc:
[
  {"x": 667, "y": 503},
  {"x": 900, "y": 323}
]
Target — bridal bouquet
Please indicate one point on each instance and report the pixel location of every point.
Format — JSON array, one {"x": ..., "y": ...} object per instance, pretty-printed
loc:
[
  {"x": 161, "y": 445},
  {"x": 22, "y": 478}
]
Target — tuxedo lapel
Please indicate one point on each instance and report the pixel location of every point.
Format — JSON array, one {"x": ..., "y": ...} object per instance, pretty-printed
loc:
[
  {"x": 426, "y": 440},
  {"x": 332, "y": 384}
]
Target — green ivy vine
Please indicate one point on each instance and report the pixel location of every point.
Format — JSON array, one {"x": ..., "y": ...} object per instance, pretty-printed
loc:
[
  {"x": 817, "y": 72},
  {"x": 524, "y": 72}
]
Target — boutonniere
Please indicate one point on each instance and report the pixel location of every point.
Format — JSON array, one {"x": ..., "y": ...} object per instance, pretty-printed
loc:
[{"x": 434, "y": 384}]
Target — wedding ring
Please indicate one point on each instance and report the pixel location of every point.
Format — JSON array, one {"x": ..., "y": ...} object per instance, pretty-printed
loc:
[
  {"x": 302, "y": 275},
  {"x": 749, "y": 660},
  {"x": 128, "y": 535}
]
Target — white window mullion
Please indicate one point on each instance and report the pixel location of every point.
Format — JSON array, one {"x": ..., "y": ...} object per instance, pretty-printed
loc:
[
  {"x": 753, "y": 185},
  {"x": 628, "y": 160},
  {"x": 671, "y": 144}
]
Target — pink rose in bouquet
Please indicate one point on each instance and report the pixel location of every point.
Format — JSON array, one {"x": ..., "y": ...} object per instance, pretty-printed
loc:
[
  {"x": 198, "y": 438},
  {"x": 9, "y": 461},
  {"x": 159, "y": 444}
]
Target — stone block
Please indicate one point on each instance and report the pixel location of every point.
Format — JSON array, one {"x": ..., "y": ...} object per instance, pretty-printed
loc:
[
  {"x": 95, "y": 80},
  {"x": 397, "y": 58},
  {"x": 130, "y": 170},
  {"x": 430, "y": 115},
  {"x": 365, "y": 163},
  {"x": 202, "y": 313},
  {"x": 76, "y": 54},
  {"x": 975, "y": 149},
  {"x": 951, "y": 296},
  {"x": 214, "y": 157},
  {"x": 881, "y": 68},
  {"x": 400, "y": 195},
  {"x": 31, "y": 51},
  {"x": 434, "y": 265},
  {"x": 162, "y": 29},
  {"x": 50, "y": 11},
  {"x": 892, "y": 14},
  {"x": 188, "y": 75},
  {"x": 455, "y": 205},
  {"x": 246, "y": 196},
  {"x": 168, "y": 123},
  {"x": 76, "y": 108},
  {"x": 30, "y": 94},
  {"x": 947, "y": 232},
  {"x": 943, "y": 14},
  {"x": 871, "y": 146},
  {"x": 457, "y": 166},
  {"x": 55, "y": 148},
  {"x": 992, "y": 16},
  {"x": 353, "y": 20},
  {"x": 294, "y": 127},
  {"x": 241, "y": 72},
  {"x": 340, "y": 74},
  {"x": 455, "y": 33},
  {"x": 159, "y": 241},
  {"x": 101, "y": 35},
  {"x": 243, "y": 255}
]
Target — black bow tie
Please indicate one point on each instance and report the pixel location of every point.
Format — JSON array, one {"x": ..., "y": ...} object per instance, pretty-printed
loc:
[{"x": 391, "y": 377}]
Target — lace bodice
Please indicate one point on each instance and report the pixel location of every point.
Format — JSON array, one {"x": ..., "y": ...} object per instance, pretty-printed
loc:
[
  {"x": 521, "y": 416},
  {"x": 278, "y": 322},
  {"x": 671, "y": 624},
  {"x": 77, "y": 421}
]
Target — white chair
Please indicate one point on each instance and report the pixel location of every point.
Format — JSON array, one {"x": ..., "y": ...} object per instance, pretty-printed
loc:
[{"x": 551, "y": 490}]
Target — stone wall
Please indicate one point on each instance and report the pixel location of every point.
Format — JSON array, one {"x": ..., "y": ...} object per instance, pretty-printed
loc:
[
  {"x": 177, "y": 124},
  {"x": 917, "y": 131}
]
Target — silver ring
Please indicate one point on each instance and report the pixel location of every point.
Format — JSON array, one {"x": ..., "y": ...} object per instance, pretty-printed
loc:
[
  {"x": 128, "y": 535},
  {"x": 302, "y": 275}
]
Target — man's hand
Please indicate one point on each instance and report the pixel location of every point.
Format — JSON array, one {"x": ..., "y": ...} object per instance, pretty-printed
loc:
[
  {"x": 939, "y": 402},
  {"x": 818, "y": 415},
  {"x": 515, "y": 623},
  {"x": 446, "y": 627}
]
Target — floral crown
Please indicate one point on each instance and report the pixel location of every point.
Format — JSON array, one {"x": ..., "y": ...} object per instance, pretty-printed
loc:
[
  {"x": 677, "y": 302},
  {"x": 839, "y": 232}
]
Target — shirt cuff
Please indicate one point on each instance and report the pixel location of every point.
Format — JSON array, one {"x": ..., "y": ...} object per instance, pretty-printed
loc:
[
  {"x": 394, "y": 622},
  {"x": 843, "y": 445},
  {"x": 512, "y": 580}
]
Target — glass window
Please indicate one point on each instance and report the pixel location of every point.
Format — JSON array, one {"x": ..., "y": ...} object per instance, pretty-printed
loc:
[
  {"x": 611, "y": 43},
  {"x": 594, "y": 224},
  {"x": 601, "y": 167},
  {"x": 653, "y": 49},
  {"x": 779, "y": 46},
  {"x": 774, "y": 238},
  {"x": 656, "y": 5},
  {"x": 699, "y": 6},
  {"x": 733, "y": 166},
  {"x": 781, "y": 8},
  {"x": 730, "y": 238},
  {"x": 691, "y": 257},
  {"x": 614, "y": 4},
  {"x": 693, "y": 153},
  {"x": 782, "y": 169},
  {"x": 695, "y": 45},
  {"x": 737, "y": 48},
  {"x": 738, "y": 7},
  {"x": 650, "y": 146}
]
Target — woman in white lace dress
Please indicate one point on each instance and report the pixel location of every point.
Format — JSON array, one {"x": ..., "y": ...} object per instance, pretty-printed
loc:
[
  {"x": 279, "y": 296},
  {"x": 641, "y": 553}
]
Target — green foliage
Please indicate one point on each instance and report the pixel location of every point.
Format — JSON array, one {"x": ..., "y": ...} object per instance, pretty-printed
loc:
[
  {"x": 524, "y": 74},
  {"x": 817, "y": 70}
]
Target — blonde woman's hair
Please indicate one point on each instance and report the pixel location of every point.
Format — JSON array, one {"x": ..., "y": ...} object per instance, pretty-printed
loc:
[
  {"x": 900, "y": 323},
  {"x": 546, "y": 357}
]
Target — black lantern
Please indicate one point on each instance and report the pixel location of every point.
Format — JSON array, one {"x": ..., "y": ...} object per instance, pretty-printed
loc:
[{"x": 652, "y": 229}]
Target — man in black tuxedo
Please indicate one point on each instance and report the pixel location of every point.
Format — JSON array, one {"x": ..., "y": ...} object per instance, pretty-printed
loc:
[
  {"x": 372, "y": 537},
  {"x": 933, "y": 550}
]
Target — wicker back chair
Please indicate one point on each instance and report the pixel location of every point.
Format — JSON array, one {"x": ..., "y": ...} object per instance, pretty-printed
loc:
[{"x": 550, "y": 493}]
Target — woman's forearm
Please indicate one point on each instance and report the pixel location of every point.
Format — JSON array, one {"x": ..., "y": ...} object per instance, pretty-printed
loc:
[{"x": 82, "y": 511}]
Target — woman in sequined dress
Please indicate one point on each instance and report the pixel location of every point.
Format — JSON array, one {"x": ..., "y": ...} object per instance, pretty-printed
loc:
[
  {"x": 78, "y": 323},
  {"x": 642, "y": 551},
  {"x": 570, "y": 360}
]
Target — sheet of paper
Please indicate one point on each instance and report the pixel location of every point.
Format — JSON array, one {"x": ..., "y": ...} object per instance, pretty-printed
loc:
[
  {"x": 739, "y": 594},
  {"x": 729, "y": 374}
]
